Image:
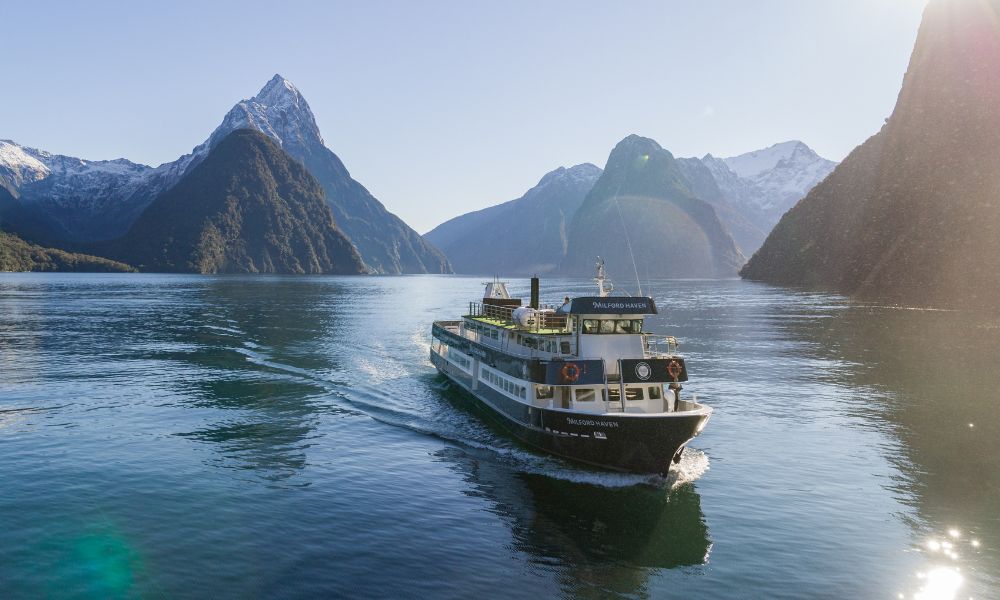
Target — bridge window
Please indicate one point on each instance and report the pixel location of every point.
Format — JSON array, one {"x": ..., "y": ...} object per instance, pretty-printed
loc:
[{"x": 591, "y": 326}]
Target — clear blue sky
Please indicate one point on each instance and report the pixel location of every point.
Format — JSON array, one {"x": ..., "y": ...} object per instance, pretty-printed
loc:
[{"x": 442, "y": 107}]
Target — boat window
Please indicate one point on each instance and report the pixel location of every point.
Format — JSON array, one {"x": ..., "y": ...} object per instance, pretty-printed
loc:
[
  {"x": 654, "y": 392},
  {"x": 633, "y": 393},
  {"x": 607, "y": 326},
  {"x": 543, "y": 392},
  {"x": 614, "y": 395},
  {"x": 523, "y": 393},
  {"x": 585, "y": 395},
  {"x": 564, "y": 347},
  {"x": 591, "y": 325},
  {"x": 623, "y": 326},
  {"x": 493, "y": 334}
]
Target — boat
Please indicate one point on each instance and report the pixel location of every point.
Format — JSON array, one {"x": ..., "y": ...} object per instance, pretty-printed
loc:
[{"x": 582, "y": 380}]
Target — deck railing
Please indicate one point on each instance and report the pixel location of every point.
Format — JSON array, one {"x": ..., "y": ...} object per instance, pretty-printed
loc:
[
  {"x": 505, "y": 315},
  {"x": 660, "y": 346}
]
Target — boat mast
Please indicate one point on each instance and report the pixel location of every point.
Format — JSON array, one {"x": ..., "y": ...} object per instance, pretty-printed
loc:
[{"x": 603, "y": 285}]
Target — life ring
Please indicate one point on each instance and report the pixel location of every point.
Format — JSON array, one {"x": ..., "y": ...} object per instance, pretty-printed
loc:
[
  {"x": 570, "y": 372},
  {"x": 674, "y": 369}
]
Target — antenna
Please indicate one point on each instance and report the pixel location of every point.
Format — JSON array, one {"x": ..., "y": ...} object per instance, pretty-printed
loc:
[
  {"x": 628, "y": 242},
  {"x": 601, "y": 280}
]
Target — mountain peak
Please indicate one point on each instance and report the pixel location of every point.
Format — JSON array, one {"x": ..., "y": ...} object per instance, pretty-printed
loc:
[
  {"x": 752, "y": 164},
  {"x": 277, "y": 91},
  {"x": 279, "y": 111}
]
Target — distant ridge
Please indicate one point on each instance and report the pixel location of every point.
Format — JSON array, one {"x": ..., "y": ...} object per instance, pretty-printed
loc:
[{"x": 524, "y": 236}]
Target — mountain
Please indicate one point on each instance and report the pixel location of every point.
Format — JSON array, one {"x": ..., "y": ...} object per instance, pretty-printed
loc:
[
  {"x": 758, "y": 187},
  {"x": 66, "y": 199},
  {"x": 247, "y": 207},
  {"x": 385, "y": 242},
  {"x": 642, "y": 200},
  {"x": 520, "y": 237},
  {"x": 19, "y": 255},
  {"x": 912, "y": 215}
]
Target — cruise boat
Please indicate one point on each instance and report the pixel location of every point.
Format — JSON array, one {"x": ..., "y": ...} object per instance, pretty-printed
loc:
[{"x": 582, "y": 380}]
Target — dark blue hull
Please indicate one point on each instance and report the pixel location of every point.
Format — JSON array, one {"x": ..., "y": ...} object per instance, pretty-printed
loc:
[{"x": 632, "y": 443}]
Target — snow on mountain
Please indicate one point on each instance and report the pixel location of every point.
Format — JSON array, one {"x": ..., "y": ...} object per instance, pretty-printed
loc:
[
  {"x": 92, "y": 200},
  {"x": 18, "y": 165},
  {"x": 756, "y": 162},
  {"x": 778, "y": 176},
  {"x": 762, "y": 185}
]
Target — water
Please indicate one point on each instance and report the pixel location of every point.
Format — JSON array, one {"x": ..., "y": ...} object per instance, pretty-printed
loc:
[{"x": 180, "y": 436}]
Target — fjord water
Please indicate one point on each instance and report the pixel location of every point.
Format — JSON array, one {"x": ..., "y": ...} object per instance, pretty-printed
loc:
[{"x": 190, "y": 436}]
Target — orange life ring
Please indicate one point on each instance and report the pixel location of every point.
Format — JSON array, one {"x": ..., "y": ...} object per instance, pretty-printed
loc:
[
  {"x": 571, "y": 372},
  {"x": 674, "y": 369}
]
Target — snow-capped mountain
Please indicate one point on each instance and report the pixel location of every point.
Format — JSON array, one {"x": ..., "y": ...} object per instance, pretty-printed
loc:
[
  {"x": 72, "y": 196},
  {"x": 70, "y": 199},
  {"x": 781, "y": 174},
  {"x": 762, "y": 185}
]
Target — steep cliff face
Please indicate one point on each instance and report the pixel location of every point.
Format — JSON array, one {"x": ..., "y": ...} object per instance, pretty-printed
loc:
[
  {"x": 525, "y": 236},
  {"x": 248, "y": 207},
  {"x": 643, "y": 200},
  {"x": 913, "y": 215}
]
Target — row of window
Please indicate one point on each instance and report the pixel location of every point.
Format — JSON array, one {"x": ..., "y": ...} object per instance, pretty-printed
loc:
[
  {"x": 611, "y": 326},
  {"x": 544, "y": 345},
  {"x": 632, "y": 394},
  {"x": 452, "y": 355},
  {"x": 484, "y": 330},
  {"x": 503, "y": 384}
]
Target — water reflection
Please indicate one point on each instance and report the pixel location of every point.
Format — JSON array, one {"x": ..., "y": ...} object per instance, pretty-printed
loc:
[
  {"x": 927, "y": 380},
  {"x": 602, "y": 540},
  {"x": 257, "y": 350}
]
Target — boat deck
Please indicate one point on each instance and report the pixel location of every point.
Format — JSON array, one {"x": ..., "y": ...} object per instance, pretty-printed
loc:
[{"x": 506, "y": 324}]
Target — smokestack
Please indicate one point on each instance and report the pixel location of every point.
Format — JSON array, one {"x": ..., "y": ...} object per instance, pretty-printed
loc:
[{"x": 534, "y": 292}]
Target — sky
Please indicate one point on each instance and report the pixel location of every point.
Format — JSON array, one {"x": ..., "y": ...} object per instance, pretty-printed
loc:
[{"x": 443, "y": 107}]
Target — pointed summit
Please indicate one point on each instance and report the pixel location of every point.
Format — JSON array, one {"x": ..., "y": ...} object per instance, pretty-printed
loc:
[{"x": 279, "y": 111}]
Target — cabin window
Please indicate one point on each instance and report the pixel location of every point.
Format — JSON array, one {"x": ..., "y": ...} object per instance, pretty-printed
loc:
[
  {"x": 633, "y": 393},
  {"x": 614, "y": 395},
  {"x": 494, "y": 334},
  {"x": 585, "y": 395},
  {"x": 564, "y": 347},
  {"x": 591, "y": 325},
  {"x": 523, "y": 393},
  {"x": 625, "y": 326},
  {"x": 654, "y": 392},
  {"x": 607, "y": 326},
  {"x": 543, "y": 392}
]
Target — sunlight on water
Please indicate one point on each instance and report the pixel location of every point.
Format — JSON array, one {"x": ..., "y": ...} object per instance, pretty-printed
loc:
[{"x": 943, "y": 579}]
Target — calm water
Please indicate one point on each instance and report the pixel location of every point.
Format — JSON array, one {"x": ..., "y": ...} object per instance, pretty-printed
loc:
[{"x": 175, "y": 436}]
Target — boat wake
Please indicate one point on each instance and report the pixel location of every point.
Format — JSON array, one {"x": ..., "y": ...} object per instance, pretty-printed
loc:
[{"x": 395, "y": 395}]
